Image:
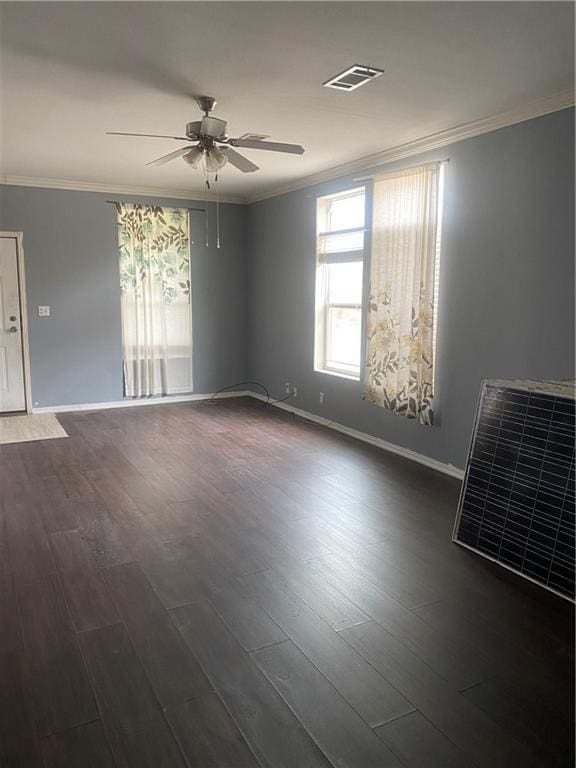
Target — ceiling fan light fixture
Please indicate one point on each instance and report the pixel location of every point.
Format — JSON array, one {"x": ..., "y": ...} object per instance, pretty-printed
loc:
[
  {"x": 214, "y": 159},
  {"x": 193, "y": 157}
]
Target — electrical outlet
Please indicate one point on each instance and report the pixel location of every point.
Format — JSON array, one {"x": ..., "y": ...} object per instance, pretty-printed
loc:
[
  {"x": 321, "y": 398},
  {"x": 295, "y": 391},
  {"x": 287, "y": 387},
  {"x": 43, "y": 311}
]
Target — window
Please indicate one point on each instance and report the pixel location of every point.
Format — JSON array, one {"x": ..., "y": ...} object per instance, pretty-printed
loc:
[{"x": 339, "y": 262}]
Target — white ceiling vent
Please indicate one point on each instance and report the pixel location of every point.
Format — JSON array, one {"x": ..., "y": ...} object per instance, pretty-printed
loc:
[{"x": 353, "y": 77}]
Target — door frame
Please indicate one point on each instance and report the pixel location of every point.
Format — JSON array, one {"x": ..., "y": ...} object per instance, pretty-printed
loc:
[{"x": 19, "y": 237}]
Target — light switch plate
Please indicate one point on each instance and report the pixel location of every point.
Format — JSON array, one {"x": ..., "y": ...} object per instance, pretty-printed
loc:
[{"x": 43, "y": 311}]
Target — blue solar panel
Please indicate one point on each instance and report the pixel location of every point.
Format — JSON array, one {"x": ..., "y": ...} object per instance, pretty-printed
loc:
[{"x": 517, "y": 505}]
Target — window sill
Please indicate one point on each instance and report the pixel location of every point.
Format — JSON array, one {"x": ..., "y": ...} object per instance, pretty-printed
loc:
[
  {"x": 338, "y": 374},
  {"x": 159, "y": 357}
]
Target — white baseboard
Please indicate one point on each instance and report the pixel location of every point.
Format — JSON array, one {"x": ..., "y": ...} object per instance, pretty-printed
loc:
[
  {"x": 129, "y": 403},
  {"x": 439, "y": 466}
]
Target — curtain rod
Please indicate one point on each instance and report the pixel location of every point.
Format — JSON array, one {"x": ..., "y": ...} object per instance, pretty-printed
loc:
[
  {"x": 116, "y": 202},
  {"x": 397, "y": 170}
]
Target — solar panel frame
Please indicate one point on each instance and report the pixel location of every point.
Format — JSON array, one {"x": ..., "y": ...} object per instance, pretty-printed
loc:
[{"x": 517, "y": 502}]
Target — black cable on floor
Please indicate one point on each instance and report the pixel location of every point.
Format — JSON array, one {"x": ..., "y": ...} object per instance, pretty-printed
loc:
[
  {"x": 232, "y": 387},
  {"x": 282, "y": 399}
]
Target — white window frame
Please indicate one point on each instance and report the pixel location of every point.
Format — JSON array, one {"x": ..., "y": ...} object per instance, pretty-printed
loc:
[{"x": 323, "y": 305}]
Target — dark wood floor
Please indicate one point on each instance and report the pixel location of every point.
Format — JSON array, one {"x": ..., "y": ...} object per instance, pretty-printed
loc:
[{"x": 224, "y": 585}]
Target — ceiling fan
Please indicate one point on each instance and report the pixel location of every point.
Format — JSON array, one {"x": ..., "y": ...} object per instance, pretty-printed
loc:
[{"x": 214, "y": 148}]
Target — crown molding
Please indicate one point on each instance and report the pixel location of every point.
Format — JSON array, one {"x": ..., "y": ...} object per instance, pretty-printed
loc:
[
  {"x": 544, "y": 106},
  {"x": 113, "y": 189},
  {"x": 538, "y": 108}
]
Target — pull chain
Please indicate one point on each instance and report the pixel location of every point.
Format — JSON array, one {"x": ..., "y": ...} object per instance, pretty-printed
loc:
[
  {"x": 206, "y": 188},
  {"x": 217, "y": 214}
]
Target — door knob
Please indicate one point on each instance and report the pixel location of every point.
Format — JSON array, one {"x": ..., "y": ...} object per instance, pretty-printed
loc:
[
  {"x": 12, "y": 318},
  {"x": 13, "y": 329}
]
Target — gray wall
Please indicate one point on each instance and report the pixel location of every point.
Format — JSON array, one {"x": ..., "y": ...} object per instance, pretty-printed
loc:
[
  {"x": 506, "y": 306},
  {"x": 506, "y": 294},
  {"x": 72, "y": 265}
]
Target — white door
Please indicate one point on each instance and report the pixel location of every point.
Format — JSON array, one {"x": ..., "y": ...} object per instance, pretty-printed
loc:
[{"x": 12, "y": 393}]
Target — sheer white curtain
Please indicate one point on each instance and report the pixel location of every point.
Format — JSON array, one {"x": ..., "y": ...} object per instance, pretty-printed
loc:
[
  {"x": 154, "y": 253},
  {"x": 399, "y": 372}
]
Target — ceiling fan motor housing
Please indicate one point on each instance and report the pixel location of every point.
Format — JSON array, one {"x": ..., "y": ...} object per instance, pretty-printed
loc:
[
  {"x": 206, "y": 103},
  {"x": 213, "y": 127},
  {"x": 193, "y": 129}
]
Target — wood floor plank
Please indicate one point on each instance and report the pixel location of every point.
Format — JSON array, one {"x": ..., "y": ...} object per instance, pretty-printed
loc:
[
  {"x": 485, "y": 744},
  {"x": 135, "y": 726},
  {"x": 28, "y": 545},
  {"x": 341, "y": 733},
  {"x": 173, "y": 671},
  {"x": 157, "y": 473},
  {"x": 170, "y": 571},
  {"x": 464, "y": 581},
  {"x": 5, "y": 564},
  {"x": 75, "y": 483},
  {"x": 330, "y": 514},
  {"x": 155, "y": 510},
  {"x": 123, "y": 691},
  {"x": 337, "y": 540},
  {"x": 370, "y": 694},
  {"x": 106, "y": 536},
  {"x": 19, "y": 745},
  {"x": 334, "y": 607},
  {"x": 58, "y": 681},
  {"x": 61, "y": 513},
  {"x": 36, "y": 459},
  {"x": 10, "y": 634},
  {"x": 244, "y": 617},
  {"x": 407, "y": 588},
  {"x": 528, "y": 718},
  {"x": 250, "y": 624},
  {"x": 85, "y": 746},
  {"x": 510, "y": 659},
  {"x": 271, "y": 729},
  {"x": 299, "y": 542},
  {"x": 417, "y": 743},
  {"x": 209, "y": 737},
  {"x": 89, "y": 602},
  {"x": 455, "y": 660},
  {"x": 151, "y": 746},
  {"x": 222, "y": 529},
  {"x": 180, "y": 576}
]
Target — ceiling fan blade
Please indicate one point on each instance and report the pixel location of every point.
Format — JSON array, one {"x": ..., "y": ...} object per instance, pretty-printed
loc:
[
  {"x": 147, "y": 135},
  {"x": 171, "y": 156},
  {"x": 272, "y": 146},
  {"x": 239, "y": 161}
]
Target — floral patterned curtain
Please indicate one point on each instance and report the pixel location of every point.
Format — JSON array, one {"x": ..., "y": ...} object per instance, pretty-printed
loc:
[
  {"x": 154, "y": 257},
  {"x": 399, "y": 372}
]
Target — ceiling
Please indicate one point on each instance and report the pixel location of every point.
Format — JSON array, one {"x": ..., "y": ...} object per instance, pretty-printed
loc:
[{"x": 71, "y": 71}]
